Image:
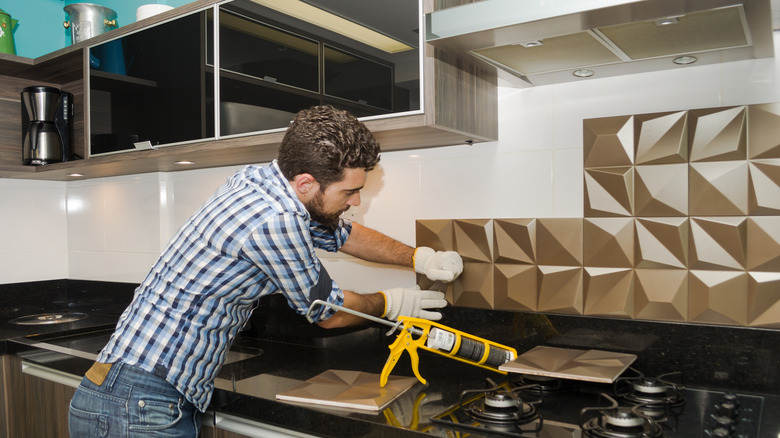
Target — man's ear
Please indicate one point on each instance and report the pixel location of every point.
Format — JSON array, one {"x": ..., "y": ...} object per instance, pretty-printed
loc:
[{"x": 304, "y": 183}]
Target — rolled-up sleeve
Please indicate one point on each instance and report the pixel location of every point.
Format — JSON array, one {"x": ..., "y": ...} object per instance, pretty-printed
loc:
[{"x": 283, "y": 248}]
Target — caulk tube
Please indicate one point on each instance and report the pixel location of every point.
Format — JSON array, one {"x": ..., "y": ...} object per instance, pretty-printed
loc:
[{"x": 469, "y": 349}]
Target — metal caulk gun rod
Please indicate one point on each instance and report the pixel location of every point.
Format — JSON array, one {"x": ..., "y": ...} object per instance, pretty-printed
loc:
[{"x": 316, "y": 303}]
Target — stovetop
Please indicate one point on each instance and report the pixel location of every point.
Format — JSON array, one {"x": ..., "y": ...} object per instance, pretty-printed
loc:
[{"x": 633, "y": 407}]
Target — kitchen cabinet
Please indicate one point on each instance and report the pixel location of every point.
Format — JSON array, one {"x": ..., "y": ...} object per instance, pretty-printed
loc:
[
  {"x": 34, "y": 406},
  {"x": 456, "y": 103}
]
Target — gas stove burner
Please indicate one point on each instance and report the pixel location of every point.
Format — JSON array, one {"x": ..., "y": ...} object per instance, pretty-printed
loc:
[
  {"x": 499, "y": 405},
  {"x": 655, "y": 394},
  {"x": 619, "y": 422},
  {"x": 544, "y": 384}
]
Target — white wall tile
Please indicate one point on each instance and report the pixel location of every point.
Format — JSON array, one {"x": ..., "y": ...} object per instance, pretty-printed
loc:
[
  {"x": 87, "y": 265},
  {"x": 87, "y": 215},
  {"x": 129, "y": 267},
  {"x": 132, "y": 217}
]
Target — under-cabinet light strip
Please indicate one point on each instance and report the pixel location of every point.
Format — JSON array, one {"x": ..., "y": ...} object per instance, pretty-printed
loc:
[{"x": 319, "y": 17}]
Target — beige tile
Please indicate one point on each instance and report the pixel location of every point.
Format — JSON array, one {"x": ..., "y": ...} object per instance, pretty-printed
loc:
[
  {"x": 661, "y": 294},
  {"x": 514, "y": 240},
  {"x": 763, "y": 128},
  {"x": 609, "y": 292},
  {"x": 764, "y": 299},
  {"x": 718, "y": 188},
  {"x": 608, "y": 242},
  {"x": 718, "y": 243},
  {"x": 559, "y": 241},
  {"x": 609, "y": 141},
  {"x": 764, "y": 187},
  {"x": 474, "y": 287},
  {"x": 560, "y": 289},
  {"x": 435, "y": 233},
  {"x": 662, "y": 138},
  {"x": 718, "y": 297},
  {"x": 718, "y": 134},
  {"x": 609, "y": 191},
  {"x": 515, "y": 287},
  {"x": 662, "y": 242},
  {"x": 661, "y": 190},
  {"x": 763, "y": 243},
  {"x": 473, "y": 239}
]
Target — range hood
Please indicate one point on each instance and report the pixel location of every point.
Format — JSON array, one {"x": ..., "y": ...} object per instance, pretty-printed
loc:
[{"x": 542, "y": 42}]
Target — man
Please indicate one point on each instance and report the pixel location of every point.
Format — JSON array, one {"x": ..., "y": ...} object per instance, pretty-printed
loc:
[{"x": 255, "y": 236}]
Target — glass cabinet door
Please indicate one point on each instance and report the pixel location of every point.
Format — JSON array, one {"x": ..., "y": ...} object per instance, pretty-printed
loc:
[{"x": 150, "y": 86}]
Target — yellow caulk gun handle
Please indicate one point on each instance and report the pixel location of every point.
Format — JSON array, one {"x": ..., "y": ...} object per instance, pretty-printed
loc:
[{"x": 403, "y": 342}]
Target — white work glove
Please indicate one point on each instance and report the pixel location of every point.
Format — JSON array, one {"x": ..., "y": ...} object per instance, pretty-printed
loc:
[
  {"x": 412, "y": 302},
  {"x": 437, "y": 265}
]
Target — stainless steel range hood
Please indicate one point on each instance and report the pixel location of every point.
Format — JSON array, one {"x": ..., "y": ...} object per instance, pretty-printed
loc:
[{"x": 551, "y": 41}]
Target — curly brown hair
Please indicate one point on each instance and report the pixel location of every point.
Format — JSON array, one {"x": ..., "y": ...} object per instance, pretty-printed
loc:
[{"x": 323, "y": 141}]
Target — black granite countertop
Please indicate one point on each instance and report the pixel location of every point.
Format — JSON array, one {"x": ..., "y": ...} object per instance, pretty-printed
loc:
[{"x": 281, "y": 348}]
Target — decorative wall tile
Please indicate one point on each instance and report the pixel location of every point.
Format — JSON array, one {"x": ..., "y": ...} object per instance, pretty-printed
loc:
[
  {"x": 609, "y": 292},
  {"x": 515, "y": 287},
  {"x": 662, "y": 242},
  {"x": 609, "y": 242},
  {"x": 559, "y": 241},
  {"x": 718, "y": 297},
  {"x": 763, "y": 127},
  {"x": 661, "y": 294},
  {"x": 764, "y": 299},
  {"x": 435, "y": 233},
  {"x": 662, "y": 138},
  {"x": 608, "y": 141},
  {"x": 764, "y": 187},
  {"x": 514, "y": 240},
  {"x": 763, "y": 243},
  {"x": 560, "y": 289},
  {"x": 473, "y": 239},
  {"x": 609, "y": 191},
  {"x": 718, "y": 188},
  {"x": 661, "y": 190},
  {"x": 718, "y": 134},
  {"x": 474, "y": 287},
  {"x": 718, "y": 243}
]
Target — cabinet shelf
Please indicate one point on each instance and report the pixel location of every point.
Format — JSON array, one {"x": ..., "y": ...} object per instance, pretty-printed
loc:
[{"x": 116, "y": 82}]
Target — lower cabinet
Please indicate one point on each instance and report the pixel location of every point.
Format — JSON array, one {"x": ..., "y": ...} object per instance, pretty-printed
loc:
[{"x": 34, "y": 406}]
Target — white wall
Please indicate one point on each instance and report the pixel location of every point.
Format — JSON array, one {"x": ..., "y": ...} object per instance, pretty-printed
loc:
[{"x": 117, "y": 226}]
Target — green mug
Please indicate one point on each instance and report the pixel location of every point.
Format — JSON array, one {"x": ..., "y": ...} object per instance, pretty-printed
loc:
[{"x": 7, "y": 26}]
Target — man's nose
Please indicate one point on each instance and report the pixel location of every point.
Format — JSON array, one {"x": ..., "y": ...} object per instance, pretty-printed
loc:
[{"x": 354, "y": 200}]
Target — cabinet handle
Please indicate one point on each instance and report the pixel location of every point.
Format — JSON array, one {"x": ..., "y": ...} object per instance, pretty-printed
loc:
[
  {"x": 253, "y": 428},
  {"x": 50, "y": 374}
]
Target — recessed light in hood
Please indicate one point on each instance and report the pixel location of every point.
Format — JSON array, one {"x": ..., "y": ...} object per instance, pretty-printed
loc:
[{"x": 608, "y": 37}]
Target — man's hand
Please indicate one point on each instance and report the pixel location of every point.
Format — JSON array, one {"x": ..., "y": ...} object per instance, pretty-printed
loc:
[
  {"x": 412, "y": 302},
  {"x": 437, "y": 265}
]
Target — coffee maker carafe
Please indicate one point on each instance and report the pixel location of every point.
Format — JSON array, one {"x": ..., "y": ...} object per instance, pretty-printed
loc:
[{"x": 47, "y": 128}]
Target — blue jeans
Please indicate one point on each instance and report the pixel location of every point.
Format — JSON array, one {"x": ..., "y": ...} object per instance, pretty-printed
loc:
[{"x": 130, "y": 403}]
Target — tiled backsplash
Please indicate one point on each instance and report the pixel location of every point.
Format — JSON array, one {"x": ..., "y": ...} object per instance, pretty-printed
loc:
[{"x": 681, "y": 223}]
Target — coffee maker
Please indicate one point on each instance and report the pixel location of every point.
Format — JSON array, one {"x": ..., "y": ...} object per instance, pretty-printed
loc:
[{"x": 47, "y": 125}]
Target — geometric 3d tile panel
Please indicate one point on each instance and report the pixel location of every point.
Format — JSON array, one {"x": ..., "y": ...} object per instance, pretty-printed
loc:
[
  {"x": 764, "y": 299},
  {"x": 764, "y": 187},
  {"x": 608, "y": 242},
  {"x": 473, "y": 240},
  {"x": 435, "y": 233},
  {"x": 718, "y": 297},
  {"x": 609, "y": 191},
  {"x": 718, "y": 188},
  {"x": 718, "y": 134},
  {"x": 662, "y": 243},
  {"x": 661, "y": 190},
  {"x": 514, "y": 287},
  {"x": 559, "y": 241},
  {"x": 662, "y": 138},
  {"x": 560, "y": 289},
  {"x": 474, "y": 287},
  {"x": 763, "y": 243},
  {"x": 514, "y": 240},
  {"x": 763, "y": 131},
  {"x": 608, "y": 141},
  {"x": 718, "y": 243},
  {"x": 608, "y": 292},
  {"x": 661, "y": 294}
]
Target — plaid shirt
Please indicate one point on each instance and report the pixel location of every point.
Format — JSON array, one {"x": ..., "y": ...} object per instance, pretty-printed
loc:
[{"x": 252, "y": 238}]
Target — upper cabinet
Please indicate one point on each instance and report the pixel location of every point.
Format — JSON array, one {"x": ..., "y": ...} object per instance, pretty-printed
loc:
[{"x": 217, "y": 84}]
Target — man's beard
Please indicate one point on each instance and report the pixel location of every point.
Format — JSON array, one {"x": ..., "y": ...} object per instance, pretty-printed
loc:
[{"x": 318, "y": 213}]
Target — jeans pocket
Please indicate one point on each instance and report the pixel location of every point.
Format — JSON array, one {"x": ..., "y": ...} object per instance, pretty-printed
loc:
[
  {"x": 87, "y": 424},
  {"x": 149, "y": 411}
]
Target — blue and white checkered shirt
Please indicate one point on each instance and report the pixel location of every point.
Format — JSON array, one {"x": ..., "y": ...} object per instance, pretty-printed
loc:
[{"x": 252, "y": 238}]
